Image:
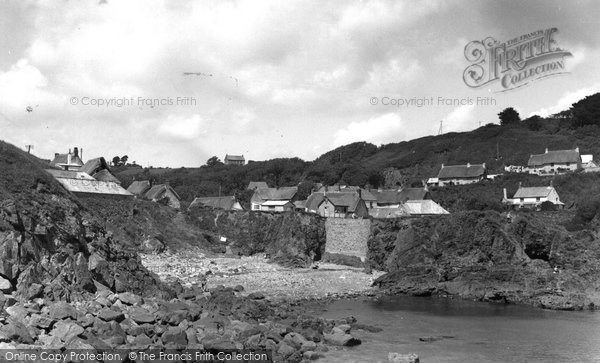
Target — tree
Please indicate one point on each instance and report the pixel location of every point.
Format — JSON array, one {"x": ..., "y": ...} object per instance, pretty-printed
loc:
[
  {"x": 124, "y": 159},
  {"x": 305, "y": 188},
  {"x": 116, "y": 161},
  {"x": 213, "y": 161},
  {"x": 509, "y": 116},
  {"x": 587, "y": 110},
  {"x": 534, "y": 123}
]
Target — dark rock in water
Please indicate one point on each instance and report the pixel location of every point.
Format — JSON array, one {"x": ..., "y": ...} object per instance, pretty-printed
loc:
[
  {"x": 62, "y": 310},
  {"x": 430, "y": 338},
  {"x": 345, "y": 340},
  {"x": 403, "y": 358},
  {"x": 15, "y": 331},
  {"x": 366, "y": 327}
]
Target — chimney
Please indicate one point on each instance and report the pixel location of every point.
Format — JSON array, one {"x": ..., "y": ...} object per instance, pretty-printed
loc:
[
  {"x": 55, "y": 155},
  {"x": 546, "y": 151},
  {"x": 468, "y": 165},
  {"x": 81, "y": 154},
  {"x": 483, "y": 165},
  {"x": 359, "y": 193},
  {"x": 505, "y": 197},
  {"x": 577, "y": 149},
  {"x": 519, "y": 185},
  {"x": 442, "y": 165},
  {"x": 75, "y": 151}
]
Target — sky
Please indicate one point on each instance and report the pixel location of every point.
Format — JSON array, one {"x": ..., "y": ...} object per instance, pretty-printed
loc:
[{"x": 172, "y": 83}]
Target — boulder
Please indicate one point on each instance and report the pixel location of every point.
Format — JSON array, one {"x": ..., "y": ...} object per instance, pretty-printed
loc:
[
  {"x": 40, "y": 321},
  {"x": 174, "y": 338},
  {"x": 66, "y": 330},
  {"x": 345, "y": 340},
  {"x": 141, "y": 316},
  {"x": 5, "y": 286},
  {"x": 285, "y": 350},
  {"x": 128, "y": 298},
  {"x": 62, "y": 310},
  {"x": 107, "y": 314},
  {"x": 15, "y": 331}
]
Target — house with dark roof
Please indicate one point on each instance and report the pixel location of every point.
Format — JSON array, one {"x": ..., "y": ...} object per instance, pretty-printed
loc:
[
  {"x": 337, "y": 204},
  {"x": 533, "y": 197},
  {"x": 257, "y": 185},
  {"x": 234, "y": 160},
  {"x": 274, "y": 199},
  {"x": 164, "y": 194},
  {"x": 461, "y": 174},
  {"x": 554, "y": 162},
  {"x": 139, "y": 187},
  {"x": 99, "y": 170},
  {"x": 68, "y": 161}
]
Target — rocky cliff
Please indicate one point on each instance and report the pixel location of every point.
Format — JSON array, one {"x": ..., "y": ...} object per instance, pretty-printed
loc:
[
  {"x": 485, "y": 256},
  {"x": 291, "y": 239},
  {"x": 51, "y": 246}
]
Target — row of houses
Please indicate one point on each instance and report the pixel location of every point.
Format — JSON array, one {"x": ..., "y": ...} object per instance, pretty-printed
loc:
[{"x": 336, "y": 201}]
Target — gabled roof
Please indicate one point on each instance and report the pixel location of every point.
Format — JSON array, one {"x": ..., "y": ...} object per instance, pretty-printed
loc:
[
  {"x": 158, "y": 191},
  {"x": 139, "y": 187},
  {"x": 556, "y": 157},
  {"x": 226, "y": 203},
  {"x": 106, "y": 175},
  {"x": 533, "y": 192},
  {"x": 264, "y": 194},
  {"x": 425, "y": 206},
  {"x": 235, "y": 157},
  {"x": 461, "y": 171},
  {"x": 93, "y": 166},
  {"x": 300, "y": 204},
  {"x": 257, "y": 185},
  {"x": 69, "y": 174},
  {"x": 338, "y": 199}
]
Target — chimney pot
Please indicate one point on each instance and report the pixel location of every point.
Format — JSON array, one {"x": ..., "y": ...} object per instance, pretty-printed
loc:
[
  {"x": 577, "y": 149},
  {"x": 468, "y": 165},
  {"x": 75, "y": 151},
  {"x": 55, "y": 155},
  {"x": 505, "y": 197},
  {"x": 546, "y": 151}
]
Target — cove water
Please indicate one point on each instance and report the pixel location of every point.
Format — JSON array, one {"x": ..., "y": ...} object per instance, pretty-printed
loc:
[{"x": 471, "y": 331}]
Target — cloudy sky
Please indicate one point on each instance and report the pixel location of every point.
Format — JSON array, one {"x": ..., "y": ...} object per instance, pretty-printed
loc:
[{"x": 265, "y": 79}]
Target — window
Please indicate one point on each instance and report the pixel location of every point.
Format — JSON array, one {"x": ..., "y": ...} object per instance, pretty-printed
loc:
[
  {"x": 552, "y": 165},
  {"x": 271, "y": 207},
  {"x": 537, "y": 199},
  {"x": 522, "y": 200},
  {"x": 568, "y": 164}
]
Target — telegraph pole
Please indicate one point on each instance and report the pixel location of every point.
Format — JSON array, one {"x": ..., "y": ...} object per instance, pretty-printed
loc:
[{"x": 29, "y": 148}]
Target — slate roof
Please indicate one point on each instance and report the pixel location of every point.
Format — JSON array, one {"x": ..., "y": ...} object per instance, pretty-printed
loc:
[
  {"x": 235, "y": 157},
  {"x": 422, "y": 207},
  {"x": 139, "y": 187},
  {"x": 533, "y": 192},
  {"x": 69, "y": 174},
  {"x": 461, "y": 171},
  {"x": 93, "y": 187},
  {"x": 388, "y": 212},
  {"x": 225, "y": 203},
  {"x": 339, "y": 199},
  {"x": 556, "y": 157},
  {"x": 257, "y": 185}
]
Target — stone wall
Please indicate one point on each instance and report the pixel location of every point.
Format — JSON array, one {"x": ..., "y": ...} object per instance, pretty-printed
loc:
[{"x": 347, "y": 236}]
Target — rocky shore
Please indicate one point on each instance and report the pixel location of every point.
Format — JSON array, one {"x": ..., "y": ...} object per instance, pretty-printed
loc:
[
  {"x": 257, "y": 275},
  {"x": 218, "y": 320}
]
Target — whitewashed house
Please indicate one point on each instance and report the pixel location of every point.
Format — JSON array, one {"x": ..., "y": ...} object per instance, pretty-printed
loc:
[
  {"x": 533, "y": 197},
  {"x": 461, "y": 174},
  {"x": 554, "y": 162}
]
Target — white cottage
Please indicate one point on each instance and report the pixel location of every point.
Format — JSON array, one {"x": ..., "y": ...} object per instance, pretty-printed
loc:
[{"x": 533, "y": 197}]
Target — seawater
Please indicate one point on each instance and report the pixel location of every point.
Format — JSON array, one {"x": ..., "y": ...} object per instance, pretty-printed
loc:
[{"x": 473, "y": 331}]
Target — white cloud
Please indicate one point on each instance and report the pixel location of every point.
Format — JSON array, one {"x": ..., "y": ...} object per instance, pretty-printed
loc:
[
  {"x": 182, "y": 128},
  {"x": 565, "y": 102},
  {"x": 460, "y": 119},
  {"x": 378, "y": 130}
]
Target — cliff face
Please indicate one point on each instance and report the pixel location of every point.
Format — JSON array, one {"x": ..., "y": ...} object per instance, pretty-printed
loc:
[
  {"x": 481, "y": 255},
  {"x": 292, "y": 239},
  {"x": 51, "y": 245}
]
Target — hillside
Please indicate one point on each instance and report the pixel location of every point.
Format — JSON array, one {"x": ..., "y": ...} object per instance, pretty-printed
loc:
[
  {"x": 52, "y": 246},
  {"x": 363, "y": 163}
]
